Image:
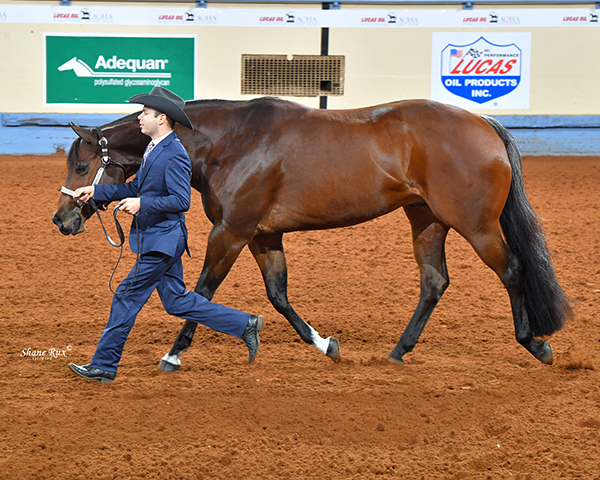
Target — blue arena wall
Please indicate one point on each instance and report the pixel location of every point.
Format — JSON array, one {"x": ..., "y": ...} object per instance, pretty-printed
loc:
[{"x": 50, "y": 134}]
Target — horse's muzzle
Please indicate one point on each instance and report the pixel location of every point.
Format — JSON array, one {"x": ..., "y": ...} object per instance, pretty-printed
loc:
[{"x": 71, "y": 227}]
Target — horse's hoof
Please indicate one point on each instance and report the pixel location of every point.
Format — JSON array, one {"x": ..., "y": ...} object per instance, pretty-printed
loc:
[
  {"x": 169, "y": 364},
  {"x": 167, "y": 367},
  {"x": 547, "y": 356},
  {"x": 333, "y": 350},
  {"x": 398, "y": 360}
]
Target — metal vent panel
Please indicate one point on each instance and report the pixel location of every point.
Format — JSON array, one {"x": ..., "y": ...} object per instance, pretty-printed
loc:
[{"x": 293, "y": 75}]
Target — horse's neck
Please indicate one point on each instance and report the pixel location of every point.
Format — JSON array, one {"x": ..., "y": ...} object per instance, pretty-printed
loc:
[
  {"x": 133, "y": 144},
  {"x": 220, "y": 119}
]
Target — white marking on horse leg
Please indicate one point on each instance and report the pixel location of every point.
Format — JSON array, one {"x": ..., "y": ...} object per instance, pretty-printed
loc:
[
  {"x": 319, "y": 342},
  {"x": 172, "y": 359}
]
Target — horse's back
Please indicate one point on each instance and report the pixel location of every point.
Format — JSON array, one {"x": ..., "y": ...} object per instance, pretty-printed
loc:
[
  {"x": 373, "y": 160},
  {"x": 311, "y": 168}
]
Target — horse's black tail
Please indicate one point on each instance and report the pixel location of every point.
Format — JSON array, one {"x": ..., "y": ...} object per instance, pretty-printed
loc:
[{"x": 546, "y": 304}]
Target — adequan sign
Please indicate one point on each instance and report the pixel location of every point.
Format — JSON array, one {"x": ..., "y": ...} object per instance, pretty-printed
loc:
[{"x": 109, "y": 69}]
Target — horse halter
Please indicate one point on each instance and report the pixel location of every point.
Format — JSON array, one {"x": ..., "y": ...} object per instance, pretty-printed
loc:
[{"x": 106, "y": 161}]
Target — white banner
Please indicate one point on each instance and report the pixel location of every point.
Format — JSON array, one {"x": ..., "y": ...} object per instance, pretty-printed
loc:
[{"x": 290, "y": 18}]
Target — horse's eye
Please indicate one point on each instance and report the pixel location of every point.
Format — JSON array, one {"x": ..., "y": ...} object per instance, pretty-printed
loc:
[{"x": 81, "y": 168}]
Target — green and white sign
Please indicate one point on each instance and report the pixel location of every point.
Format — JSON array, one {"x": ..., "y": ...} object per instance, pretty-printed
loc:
[{"x": 107, "y": 70}]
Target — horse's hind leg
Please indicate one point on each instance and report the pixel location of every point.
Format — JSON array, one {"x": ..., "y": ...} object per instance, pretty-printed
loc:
[
  {"x": 222, "y": 251},
  {"x": 269, "y": 254},
  {"x": 429, "y": 236},
  {"x": 492, "y": 249}
]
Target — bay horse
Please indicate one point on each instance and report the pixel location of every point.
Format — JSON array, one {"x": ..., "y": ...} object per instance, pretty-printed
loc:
[{"x": 267, "y": 166}]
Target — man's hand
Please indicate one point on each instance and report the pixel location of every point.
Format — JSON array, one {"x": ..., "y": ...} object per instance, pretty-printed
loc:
[
  {"x": 85, "y": 192},
  {"x": 130, "y": 205}
]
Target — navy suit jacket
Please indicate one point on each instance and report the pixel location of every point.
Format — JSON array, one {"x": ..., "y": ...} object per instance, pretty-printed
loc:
[{"x": 163, "y": 186}]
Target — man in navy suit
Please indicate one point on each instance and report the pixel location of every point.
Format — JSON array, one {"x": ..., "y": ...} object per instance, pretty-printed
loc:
[{"x": 158, "y": 196}]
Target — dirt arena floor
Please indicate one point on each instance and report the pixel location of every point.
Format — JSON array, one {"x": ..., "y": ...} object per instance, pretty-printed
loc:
[{"x": 470, "y": 403}]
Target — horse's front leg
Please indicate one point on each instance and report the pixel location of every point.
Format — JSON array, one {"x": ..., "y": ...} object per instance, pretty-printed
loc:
[
  {"x": 429, "y": 237},
  {"x": 222, "y": 251},
  {"x": 269, "y": 254}
]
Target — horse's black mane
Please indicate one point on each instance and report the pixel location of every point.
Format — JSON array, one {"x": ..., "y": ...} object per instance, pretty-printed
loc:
[
  {"x": 122, "y": 120},
  {"x": 211, "y": 101},
  {"x": 71, "y": 156},
  {"x": 221, "y": 102}
]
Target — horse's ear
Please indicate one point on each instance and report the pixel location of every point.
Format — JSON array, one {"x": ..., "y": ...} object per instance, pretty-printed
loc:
[{"x": 87, "y": 135}]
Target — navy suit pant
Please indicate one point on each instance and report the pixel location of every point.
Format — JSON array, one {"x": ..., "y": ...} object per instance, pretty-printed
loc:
[{"x": 165, "y": 274}]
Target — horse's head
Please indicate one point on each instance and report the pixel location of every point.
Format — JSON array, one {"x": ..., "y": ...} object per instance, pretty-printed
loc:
[{"x": 125, "y": 146}]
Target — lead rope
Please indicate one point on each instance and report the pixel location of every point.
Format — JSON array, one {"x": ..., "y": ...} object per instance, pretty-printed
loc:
[
  {"x": 119, "y": 245},
  {"x": 103, "y": 142}
]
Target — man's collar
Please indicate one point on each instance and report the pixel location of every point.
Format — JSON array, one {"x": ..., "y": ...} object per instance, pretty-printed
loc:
[{"x": 160, "y": 139}]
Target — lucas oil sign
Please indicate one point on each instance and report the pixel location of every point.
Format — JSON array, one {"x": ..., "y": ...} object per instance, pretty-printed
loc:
[
  {"x": 476, "y": 70},
  {"x": 107, "y": 70}
]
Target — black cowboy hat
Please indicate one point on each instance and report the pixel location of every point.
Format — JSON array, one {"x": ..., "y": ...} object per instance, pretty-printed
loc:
[{"x": 166, "y": 102}]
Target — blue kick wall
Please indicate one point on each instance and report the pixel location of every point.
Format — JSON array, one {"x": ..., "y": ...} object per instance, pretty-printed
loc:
[{"x": 49, "y": 134}]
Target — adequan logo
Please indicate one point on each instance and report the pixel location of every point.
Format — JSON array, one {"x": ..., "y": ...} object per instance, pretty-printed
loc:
[
  {"x": 103, "y": 69},
  {"x": 131, "y": 65}
]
